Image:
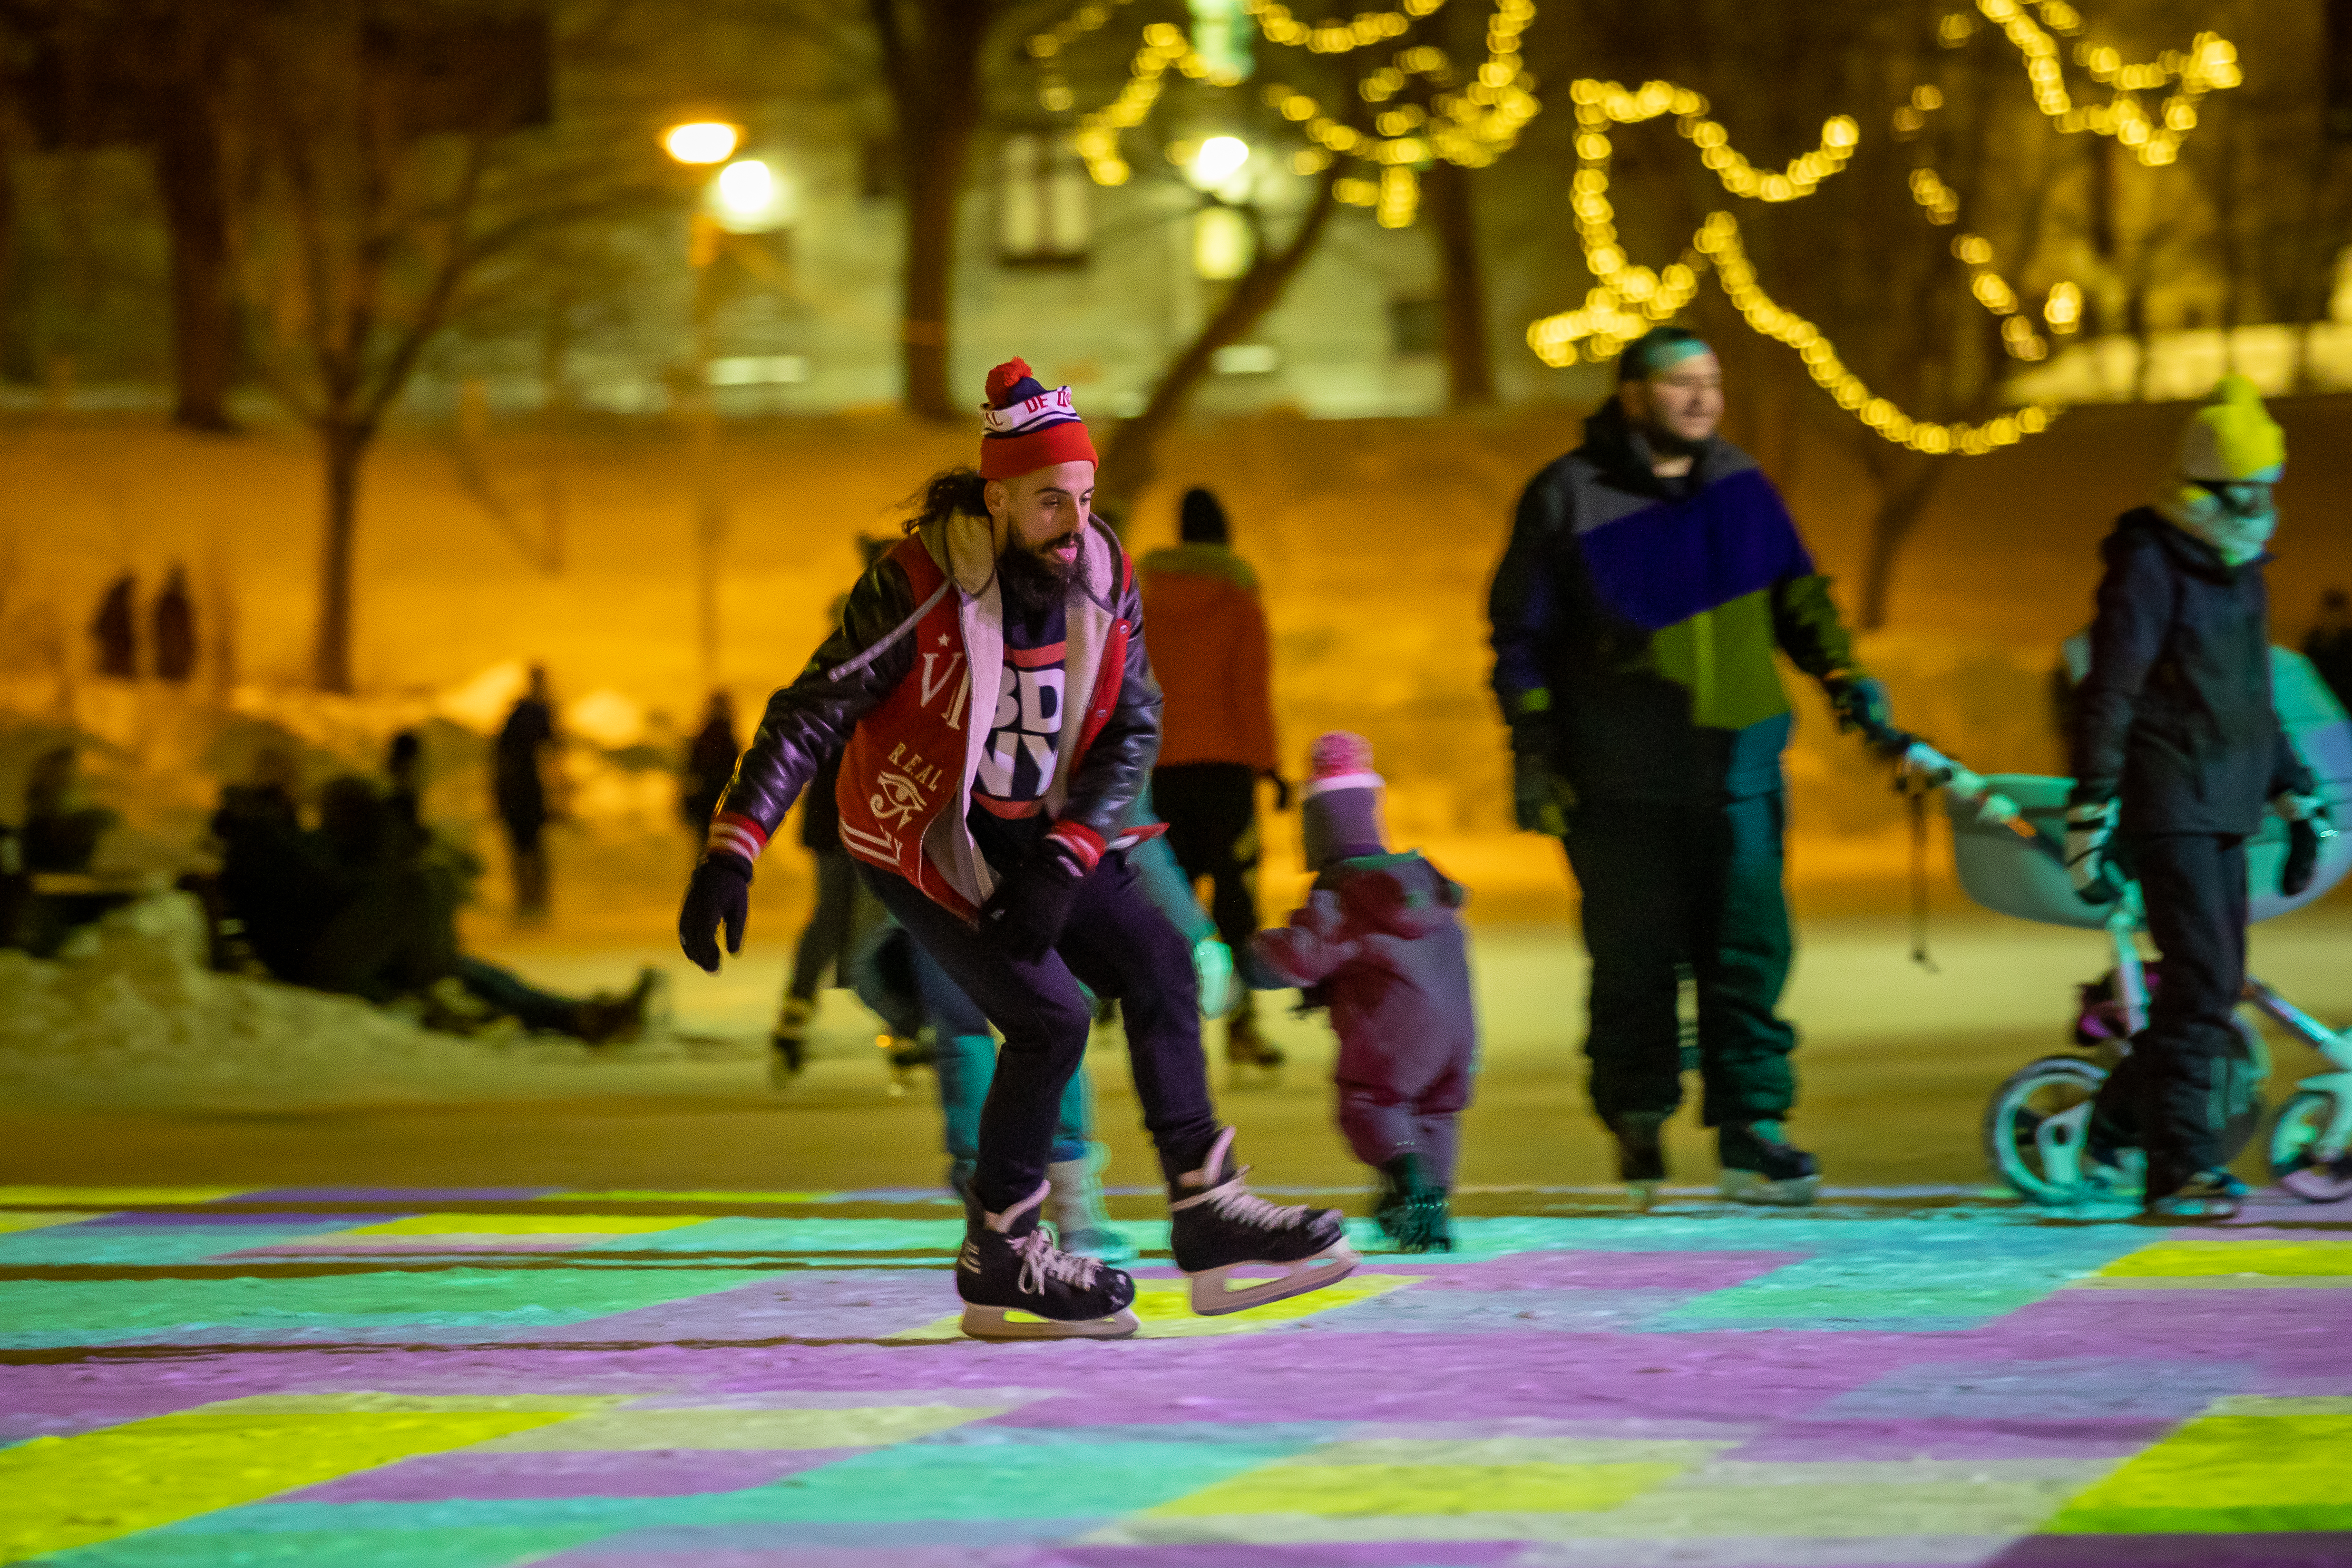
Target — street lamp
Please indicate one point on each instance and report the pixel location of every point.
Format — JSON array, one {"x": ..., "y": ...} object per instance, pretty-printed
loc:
[
  {"x": 1222, "y": 241},
  {"x": 699, "y": 143}
]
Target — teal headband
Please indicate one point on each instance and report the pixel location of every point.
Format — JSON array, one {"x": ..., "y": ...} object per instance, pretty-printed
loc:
[{"x": 1657, "y": 350}]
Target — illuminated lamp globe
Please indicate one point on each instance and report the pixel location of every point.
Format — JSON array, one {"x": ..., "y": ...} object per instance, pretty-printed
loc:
[
  {"x": 701, "y": 141},
  {"x": 1219, "y": 159},
  {"x": 747, "y": 197}
]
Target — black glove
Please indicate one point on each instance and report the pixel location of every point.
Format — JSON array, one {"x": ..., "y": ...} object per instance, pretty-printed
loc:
[
  {"x": 2302, "y": 857},
  {"x": 1859, "y": 703},
  {"x": 1024, "y": 916},
  {"x": 1541, "y": 798},
  {"x": 719, "y": 893}
]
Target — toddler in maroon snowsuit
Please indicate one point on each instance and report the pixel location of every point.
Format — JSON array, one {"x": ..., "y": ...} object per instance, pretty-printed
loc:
[{"x": 1379, "y": 945}]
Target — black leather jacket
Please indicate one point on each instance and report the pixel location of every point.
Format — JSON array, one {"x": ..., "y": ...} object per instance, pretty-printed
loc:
[{"x": 807, "y": 723}]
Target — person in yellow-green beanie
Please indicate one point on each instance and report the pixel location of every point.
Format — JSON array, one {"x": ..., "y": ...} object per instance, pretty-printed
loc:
[{"x": 2176, "y": 751}]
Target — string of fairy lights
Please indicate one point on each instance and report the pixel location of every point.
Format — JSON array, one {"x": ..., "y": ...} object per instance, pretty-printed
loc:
[{"x": 1472, "y": 117}]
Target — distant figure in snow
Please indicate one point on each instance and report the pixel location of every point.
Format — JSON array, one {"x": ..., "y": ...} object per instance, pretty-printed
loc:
[
  {"x": 1379, "y": 945},
  {"x": 173, "y": 617},
  {"x": 709, "y": 763},
  {"x": 116, "y": 629},
  {"x": 2328, "y": 644},
  {"x": 60, "y": 833},
  {"x": 518, "y": 784}
]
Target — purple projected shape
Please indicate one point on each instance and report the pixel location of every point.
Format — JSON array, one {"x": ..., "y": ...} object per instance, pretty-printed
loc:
[
  {"x": 444, "y": 1477},
  {"x": 860, "y": 1304},
  {"x": 1492, "y": 1312},
  {"x": 2078, "y": 1387},
  {"x": 1334, "y": 1555},
  {"x": 2318, "y": 1549},
  {"x": 152, "y": 1220},
  {"x": 1686, "y": 1271}
]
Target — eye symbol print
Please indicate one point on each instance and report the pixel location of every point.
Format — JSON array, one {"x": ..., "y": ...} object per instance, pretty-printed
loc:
[{"x": 896, "y": 798}]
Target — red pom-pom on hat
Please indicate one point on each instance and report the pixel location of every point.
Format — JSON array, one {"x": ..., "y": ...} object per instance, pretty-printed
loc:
[
  {"x": 1003, "y": 379},
  {"x": 1339, "y": 752}
]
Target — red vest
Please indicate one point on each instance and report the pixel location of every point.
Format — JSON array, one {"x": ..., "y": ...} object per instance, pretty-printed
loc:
[{"x": 904, "y": 766}]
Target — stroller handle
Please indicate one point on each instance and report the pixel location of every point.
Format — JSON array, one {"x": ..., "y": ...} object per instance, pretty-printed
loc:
[{"x": 1919, "y": 765}]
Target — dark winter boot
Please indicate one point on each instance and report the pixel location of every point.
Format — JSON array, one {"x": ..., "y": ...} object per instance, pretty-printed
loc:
[
  {"x": 2205, "y": 1198},
  {"x": 610, "y": 1020},
  {"x": 1219, "y": 1230},
  {"x": 1759, "y": 1167},
  {"x": 1641, "y": 1154},
  {"x": 1410, "y": 1209},
  {"x": 789, "y": 1043},
  {"x": 1009, "y": 1264},
  {"x": 1245, "y": 1049}
]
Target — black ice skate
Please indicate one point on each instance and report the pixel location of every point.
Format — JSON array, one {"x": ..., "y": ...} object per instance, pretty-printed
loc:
[
  {"x": 1759, "y": 1167},
  {"x": 788, "y": 1046},
  {"x": 1010, "y": 1265},
  {"x": 1410, "y": 1209},
  {"x": 1640, "y": 1156},
  {"x": 1219, "y": 1232}
]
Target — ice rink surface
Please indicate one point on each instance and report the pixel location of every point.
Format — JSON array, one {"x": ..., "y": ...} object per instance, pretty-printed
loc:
[{"x": 472, "y": 1378}]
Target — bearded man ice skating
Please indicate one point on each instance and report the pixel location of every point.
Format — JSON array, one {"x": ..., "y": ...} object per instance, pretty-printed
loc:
[{"x": 989, "y": 682}]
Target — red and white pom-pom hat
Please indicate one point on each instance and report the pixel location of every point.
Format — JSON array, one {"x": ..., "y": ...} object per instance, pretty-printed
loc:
[{"x": 1025, "y": 427}]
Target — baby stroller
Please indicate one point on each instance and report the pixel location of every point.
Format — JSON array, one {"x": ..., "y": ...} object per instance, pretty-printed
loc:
[{"x": 2007, "y": 837}]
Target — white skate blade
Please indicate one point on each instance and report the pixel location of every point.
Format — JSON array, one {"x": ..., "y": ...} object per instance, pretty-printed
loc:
[
  {"x": 1755, "y": 1187},
  {"x": 1000, "y": 1322},
  {"x": 1213, "y": 1296}
]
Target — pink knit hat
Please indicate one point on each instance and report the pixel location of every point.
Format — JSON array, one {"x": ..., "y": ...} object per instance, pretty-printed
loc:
[
  {"x": 1339, "y": 808},
  {"x": 1027, "y": 427}
]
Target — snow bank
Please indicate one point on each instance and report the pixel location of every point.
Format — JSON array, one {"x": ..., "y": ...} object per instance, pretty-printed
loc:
[{"x": 128, "y": 1014}]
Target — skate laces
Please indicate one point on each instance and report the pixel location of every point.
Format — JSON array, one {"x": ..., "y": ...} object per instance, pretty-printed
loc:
[
  {"x": 1043, "y": 1263},
  {"x": 1228, "y": 1199}
]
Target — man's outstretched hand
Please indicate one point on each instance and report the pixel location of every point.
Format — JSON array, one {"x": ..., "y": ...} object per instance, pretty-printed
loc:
[
  {"x": 720, "y": 894},
  {"x": 1024, "y": 918}
]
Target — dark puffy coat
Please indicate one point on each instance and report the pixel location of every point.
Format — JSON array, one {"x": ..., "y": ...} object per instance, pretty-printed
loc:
[
  {"x": 1634, "y": 620},
  {"x": 2175, "y": 715},
  {"x": 1380, "y": 941}
]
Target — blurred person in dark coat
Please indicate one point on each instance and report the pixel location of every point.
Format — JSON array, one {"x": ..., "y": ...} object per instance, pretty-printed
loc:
[
  {"x": 518, "y": 786},
  {"x": 116, "y": 629},
  {"x": 174, "y": 618},
  {"x": 709, "y": 763},
  {"x": 2328, "y": 644}
]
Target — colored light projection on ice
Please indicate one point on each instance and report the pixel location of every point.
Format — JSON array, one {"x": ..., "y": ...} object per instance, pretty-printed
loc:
[{"x": 482, "y": 1378}]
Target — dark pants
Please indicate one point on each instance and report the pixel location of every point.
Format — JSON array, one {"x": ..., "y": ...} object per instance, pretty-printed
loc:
[
  {"x": 964, "y": 1055},
  {"x": 1117, "y": 943},
  {"x": 1673, "y": 886},
  {"x": 1211, "y": 809},
  {"x": 2187, "y": 1074},
  {"x": 527, "y": 859},
  {"x": 512, "y": 995},
  {"x": 825, "y": 939}
]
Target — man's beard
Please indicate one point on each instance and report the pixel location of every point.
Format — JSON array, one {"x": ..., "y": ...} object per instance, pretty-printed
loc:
[{"x": 1033, "y": 582}]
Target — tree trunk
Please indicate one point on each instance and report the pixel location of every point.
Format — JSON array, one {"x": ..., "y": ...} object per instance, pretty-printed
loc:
[
  {"x": 206, "y": 325},
  {"x": 1901, "y": 506},
  {"x": 343, "y": 446},
  {"x": 1469, "y": 356},
  {"x": 934, "y": 76},
  {"x": 1128, "y": 463}
]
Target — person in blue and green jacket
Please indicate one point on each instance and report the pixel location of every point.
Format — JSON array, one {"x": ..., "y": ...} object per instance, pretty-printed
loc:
[{"x": 1652, "y": 574}]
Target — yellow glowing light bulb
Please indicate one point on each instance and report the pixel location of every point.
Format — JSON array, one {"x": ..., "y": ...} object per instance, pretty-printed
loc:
[{"x": 702, "y": 141}]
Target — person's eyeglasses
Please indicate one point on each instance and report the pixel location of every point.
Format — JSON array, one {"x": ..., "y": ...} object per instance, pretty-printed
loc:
[{"x": 2241, "y": 498}]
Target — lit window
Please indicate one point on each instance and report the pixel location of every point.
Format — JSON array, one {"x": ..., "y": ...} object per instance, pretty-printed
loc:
[{"x": 1042, "y": 218}]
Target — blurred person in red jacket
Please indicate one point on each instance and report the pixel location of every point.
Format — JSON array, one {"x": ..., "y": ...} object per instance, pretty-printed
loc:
[{"x": 1209, "y": 648}]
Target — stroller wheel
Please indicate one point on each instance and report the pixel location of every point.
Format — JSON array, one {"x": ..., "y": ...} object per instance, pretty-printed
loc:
[
  {"x": 2034, "y": 1128},
  {"x": 2298, "y": 1163}
]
